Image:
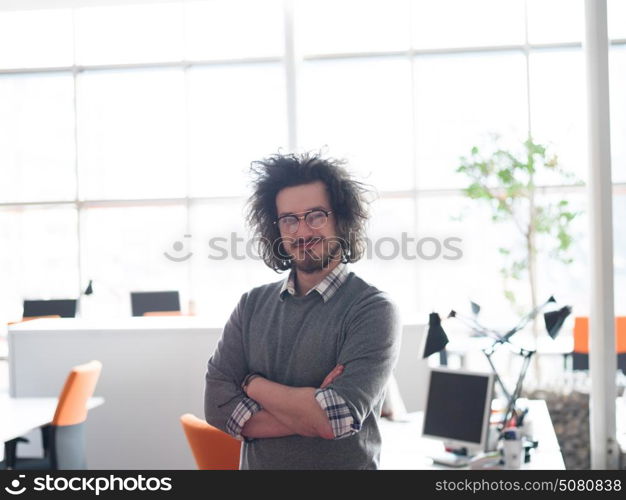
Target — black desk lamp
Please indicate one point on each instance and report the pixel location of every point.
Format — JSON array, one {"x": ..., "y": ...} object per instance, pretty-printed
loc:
[{"x": 437, "y": 339}]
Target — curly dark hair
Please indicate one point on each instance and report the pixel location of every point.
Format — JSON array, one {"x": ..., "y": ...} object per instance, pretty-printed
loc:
[{"x": 279, "y": 171}]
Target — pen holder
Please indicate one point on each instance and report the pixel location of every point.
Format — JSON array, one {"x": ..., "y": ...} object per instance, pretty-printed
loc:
[
  {"x": 527, "y": 429},
  {"x": 512, "y": 449},
  {"x": 493, "y": 435}
]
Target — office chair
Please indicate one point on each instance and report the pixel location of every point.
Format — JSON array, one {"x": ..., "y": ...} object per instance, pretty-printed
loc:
[
  {"x": 212, "y": 449},
  {"x": 23, "y": 320},
  {"x": 580, "y": 354},
  {"x": 63, "y": 439},
  {"x": 65, "y": 308},
  {"x": 144, "y": 302}
]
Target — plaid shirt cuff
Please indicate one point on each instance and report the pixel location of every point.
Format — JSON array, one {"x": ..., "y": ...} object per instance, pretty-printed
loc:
[
  {"x": 339, "y": 416},
  {"x": 240, "y": 415}
]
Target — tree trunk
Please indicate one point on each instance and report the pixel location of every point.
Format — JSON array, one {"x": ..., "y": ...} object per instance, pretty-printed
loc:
[{"x": 532, "y": 274}]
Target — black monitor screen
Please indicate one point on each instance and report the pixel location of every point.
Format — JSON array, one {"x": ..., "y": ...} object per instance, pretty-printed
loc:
[
  {"x": 456, "y": 406},
  {"x": 66, "y": 308},
  {"x": 143, "y": 302}
]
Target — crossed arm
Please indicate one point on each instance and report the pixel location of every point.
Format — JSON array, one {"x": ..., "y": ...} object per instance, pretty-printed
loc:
[
  {"x": 369, "y": 351},
  {"x": 288, "y": 410}
]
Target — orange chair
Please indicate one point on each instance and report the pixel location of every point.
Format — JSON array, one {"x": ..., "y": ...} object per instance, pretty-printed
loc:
[
  {"x": 31, "y": 318},
  {"x": 581, "y": 342},
  {"x": 63, "y": 439},
  {"x": 211, "y": 448}
]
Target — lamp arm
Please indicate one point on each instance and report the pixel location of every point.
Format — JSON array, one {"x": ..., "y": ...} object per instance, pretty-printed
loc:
[
  {"x": 526, "y": 319},
  {"x": 518, "y": 386},
  {"x": 488, "y": 354},
  {"x": 472, "y": 323}
]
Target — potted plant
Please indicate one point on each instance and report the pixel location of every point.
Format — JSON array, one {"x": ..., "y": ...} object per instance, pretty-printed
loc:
[{"x": 505, "y": 180}]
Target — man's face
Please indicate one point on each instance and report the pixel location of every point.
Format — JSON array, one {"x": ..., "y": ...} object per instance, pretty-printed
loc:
[{"x": 310, "y": 248}]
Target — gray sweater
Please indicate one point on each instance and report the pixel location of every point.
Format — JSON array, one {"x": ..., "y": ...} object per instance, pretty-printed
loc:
[{"x": 297, "y": 341}]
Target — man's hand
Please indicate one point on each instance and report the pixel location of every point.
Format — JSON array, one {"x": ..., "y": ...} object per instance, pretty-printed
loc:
[
  {"x": 334, "y": 373},
  {"x": 264, "y": 425}
]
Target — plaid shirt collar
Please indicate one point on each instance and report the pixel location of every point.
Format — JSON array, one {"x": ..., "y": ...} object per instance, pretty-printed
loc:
[{"x": 326, "y": 288}]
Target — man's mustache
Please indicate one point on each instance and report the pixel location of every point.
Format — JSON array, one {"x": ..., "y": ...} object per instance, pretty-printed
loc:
[{"x": 302, "y": 242}]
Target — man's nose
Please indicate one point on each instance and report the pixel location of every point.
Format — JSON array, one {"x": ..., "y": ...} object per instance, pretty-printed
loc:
[{"x": 304, "y": 231}]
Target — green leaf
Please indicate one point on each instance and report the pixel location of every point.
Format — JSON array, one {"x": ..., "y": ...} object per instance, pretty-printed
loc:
[
  {"x": 568, "y": 216},
  {"x": 510, "y": 296},
  {"x": 506, "y": 176},
  {"x": 477, "y": 190},
  {"x": 553, "y": 162},
  {"x": 565, "y": 240}
]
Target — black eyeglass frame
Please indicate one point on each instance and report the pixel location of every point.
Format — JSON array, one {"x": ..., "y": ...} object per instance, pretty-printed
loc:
[{"x": 304, "y": 218}]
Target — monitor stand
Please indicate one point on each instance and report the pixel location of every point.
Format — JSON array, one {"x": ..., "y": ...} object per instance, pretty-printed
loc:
[
  {"x": 450, "y": 459},
  {"x": 453, "y": 457}
]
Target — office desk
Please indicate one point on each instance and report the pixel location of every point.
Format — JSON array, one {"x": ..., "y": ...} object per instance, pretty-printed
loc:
[
  {"x": 403, "y": 447},
  {"x": 18, "y": 416}
]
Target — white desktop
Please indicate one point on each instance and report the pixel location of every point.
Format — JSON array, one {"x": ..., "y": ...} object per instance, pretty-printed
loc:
[
  {"x": 457, "y": 429},
  {"x": 404, "y": 447}
]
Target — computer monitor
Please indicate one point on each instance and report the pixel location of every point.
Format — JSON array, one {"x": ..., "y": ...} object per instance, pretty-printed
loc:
[
  {"x": 458, "y": 408},
  {"x": 66, "y": 308},
  {"x": 143, "y": 302}
]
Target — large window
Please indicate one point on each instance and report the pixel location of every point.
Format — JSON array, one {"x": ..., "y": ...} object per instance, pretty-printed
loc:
[{"x": 118, "y": 150}]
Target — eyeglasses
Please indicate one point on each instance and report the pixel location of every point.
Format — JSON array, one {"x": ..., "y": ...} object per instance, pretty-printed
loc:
[{"x": 315, "y": 219}]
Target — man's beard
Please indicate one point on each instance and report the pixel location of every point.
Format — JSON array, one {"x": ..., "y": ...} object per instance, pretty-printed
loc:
[{"x": 312, "y": 262}]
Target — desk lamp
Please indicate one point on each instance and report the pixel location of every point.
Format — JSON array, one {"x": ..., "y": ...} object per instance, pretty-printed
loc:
[{"x": 437, "y": 339}]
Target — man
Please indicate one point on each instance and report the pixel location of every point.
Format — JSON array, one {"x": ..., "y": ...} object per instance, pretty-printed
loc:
[{"x": 300, "y": 371}]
